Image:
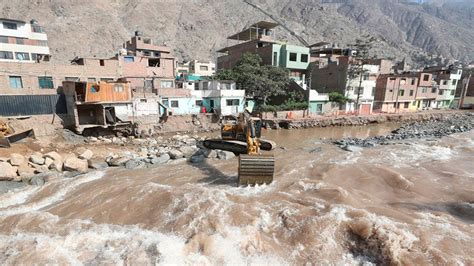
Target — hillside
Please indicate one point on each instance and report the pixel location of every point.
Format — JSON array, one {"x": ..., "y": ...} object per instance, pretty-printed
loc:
[{"x": 195, "y": 29}]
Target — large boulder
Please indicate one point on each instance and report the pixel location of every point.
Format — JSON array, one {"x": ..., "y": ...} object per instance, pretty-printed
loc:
[
  {"x": 86, "y": 155},
  {"x": 175, "y": 154},
  {"x": 25, "y": 170},
  {"x": 75, "y": 164},
  {"x": 39, "y": 179},
  {"x": 188, "y": 150},
  {"x": 211, "y": 154},
  {"x": 57, "y": 161},
  {"x": 6, "y": 186},
  {"x": 162, "y": 159},
  {"x": 17, "y": 159},
  {"x": 135, "y": 164},
  {"x": 97, "y": 164},
  {"x": 197, "y": 158},
  {"x": 37, "y": 158},
  {"x": 118, "y": 161},
  {"x": 225, "y": 155},
  {"x": 7, "y": 171}
]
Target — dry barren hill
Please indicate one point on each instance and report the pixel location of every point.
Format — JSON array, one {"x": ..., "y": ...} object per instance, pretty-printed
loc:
[{"x": 197, "y": 28}]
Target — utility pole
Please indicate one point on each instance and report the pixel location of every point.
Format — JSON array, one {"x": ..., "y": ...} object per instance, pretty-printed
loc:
[{"x": 360, "y": 86}]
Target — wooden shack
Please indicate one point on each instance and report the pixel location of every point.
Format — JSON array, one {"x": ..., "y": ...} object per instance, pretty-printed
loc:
[{"x": 88, "y": 92}]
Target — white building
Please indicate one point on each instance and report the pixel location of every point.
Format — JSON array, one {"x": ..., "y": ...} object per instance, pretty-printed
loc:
[
  {"x": 366, "y": 90},
  {"x": 23, "y": 42},
  {"x": 201, "y": 68},
  {"x": 218, "y": 95}
]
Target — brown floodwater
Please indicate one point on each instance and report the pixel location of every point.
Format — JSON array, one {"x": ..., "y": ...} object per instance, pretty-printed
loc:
[{"x": 409, "y": 203}]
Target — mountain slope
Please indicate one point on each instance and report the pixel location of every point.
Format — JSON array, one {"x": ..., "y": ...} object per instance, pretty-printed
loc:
[{"x": 196, "y": 29}]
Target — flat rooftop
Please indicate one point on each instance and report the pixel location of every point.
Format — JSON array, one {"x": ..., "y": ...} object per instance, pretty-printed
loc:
[{"x": 249, "y": 33}]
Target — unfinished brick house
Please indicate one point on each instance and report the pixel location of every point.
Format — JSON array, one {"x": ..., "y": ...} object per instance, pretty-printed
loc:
[{"x": 103, "y": 104}]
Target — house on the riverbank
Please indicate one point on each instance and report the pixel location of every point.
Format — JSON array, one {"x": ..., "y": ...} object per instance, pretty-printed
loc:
[
  {"x": 330, "y": 72},
  {"x": 446, "y": 79}
]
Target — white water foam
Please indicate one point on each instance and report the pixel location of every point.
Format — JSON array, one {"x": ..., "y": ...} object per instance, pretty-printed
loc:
[{"x": 67, "y": 187}]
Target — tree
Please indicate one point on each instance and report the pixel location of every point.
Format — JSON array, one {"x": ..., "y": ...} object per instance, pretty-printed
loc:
[
  {"x": 338, "y": 98},
  {"x": 258, "y": 81},
  {"x": 363, "y": 46}
]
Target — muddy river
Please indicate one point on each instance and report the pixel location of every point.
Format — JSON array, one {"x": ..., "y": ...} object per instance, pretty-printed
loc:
[{"x": 410, "y": 203}]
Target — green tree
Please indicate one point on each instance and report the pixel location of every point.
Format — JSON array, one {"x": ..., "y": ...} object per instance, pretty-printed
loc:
[
  {"x": 337, "y": 97},
  {"x": 259, "y": 81}
]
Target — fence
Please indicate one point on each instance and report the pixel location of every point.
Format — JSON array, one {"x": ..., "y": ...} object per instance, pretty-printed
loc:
[{"x": 20, "y": 105}]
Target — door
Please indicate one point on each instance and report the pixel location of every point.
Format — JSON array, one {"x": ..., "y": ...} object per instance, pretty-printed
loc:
[{"x": 365, "y": 109}]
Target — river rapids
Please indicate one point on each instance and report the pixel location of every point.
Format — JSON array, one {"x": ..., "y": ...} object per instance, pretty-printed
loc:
[{"x": 407, "y": 203}]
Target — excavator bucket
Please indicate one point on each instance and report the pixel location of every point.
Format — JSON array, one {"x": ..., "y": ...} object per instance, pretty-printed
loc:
[{"x": 256, "y": 169}]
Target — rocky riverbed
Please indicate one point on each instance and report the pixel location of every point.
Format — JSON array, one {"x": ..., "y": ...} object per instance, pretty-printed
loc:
[
  {"x": 435, "y": 128},
  {"x": 132, "y": 153}
]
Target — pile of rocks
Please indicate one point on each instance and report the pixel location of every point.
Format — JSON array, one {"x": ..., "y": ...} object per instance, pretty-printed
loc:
[
  {"x": 37, "y": 168},
  {"x": 153, "y": 152},
  {"x": 436, "y": 128}
]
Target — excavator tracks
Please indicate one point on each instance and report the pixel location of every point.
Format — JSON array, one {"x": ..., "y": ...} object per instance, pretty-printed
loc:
[{"x": 256, "y": 169}]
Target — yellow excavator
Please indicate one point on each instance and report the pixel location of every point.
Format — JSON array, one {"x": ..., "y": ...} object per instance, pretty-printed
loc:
[{"x": 242, "y": 136}]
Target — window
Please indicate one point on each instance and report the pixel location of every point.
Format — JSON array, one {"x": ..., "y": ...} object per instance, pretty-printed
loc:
[
  {"x": 6, "y": 55},
  {"x": 205, "y": 85},
  {"x": 20, "y": 41},
  {"x": 46, "y": 82},
  {"x": 453, "y": 92},
  {"x": 42, "y": 43},
  {"x": 9, "y": 26},
  {"x": 293, "y": 57},
  {"x": 148, "y": 83},
  {"x": 203, "y": 68},
  {"x": 3, "y": 39},
  {"x": 455, "y": 81},
  {"x": 199, "y": 103},
  {"x": 146, "y": 53},
  {"x": 166, "y": 102},
  {"x": 196, "y": 86},
  {"x": 394, "y": 105},
  {"x": 423, "y": 90},
  {"x": 433, "y": 90},
  {"x": 426, "y": 77},
  {"x": 373, "y": 91},
  {"x": 166, "y": 84},
  {"x": 319, "y": 108},
  {"x": 440, "y": 92},
  {"x": 91, "y": 80},
  {"x": 304, "y": 58},
  {"x": 72, "y": 79},
  {"x": 22, "y": 56},
  {"x": 275, "y": 58},
  {"x": 406, "y": 105},
  {"x": 101, "y": 62},
  {"x": 174, "y": 104},
  {"x": 401, "y": 93},
  {"x": 365, "y": 77},
  {"x": 128, "y": 59},
  {"x": 119, "y": 88},
  {"x": 147, "y": 41},
  {"x": 157, "y": 54},
  {"x": 154, "y": 62},
  {"x": 233, "y": 102},
  {"x": 445, "y": 82},
  {"x": 411, "y": 92},
  {"x": 15, "y": 82},
  {"x": 413, "y": 81}
]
